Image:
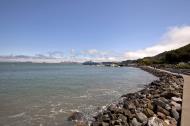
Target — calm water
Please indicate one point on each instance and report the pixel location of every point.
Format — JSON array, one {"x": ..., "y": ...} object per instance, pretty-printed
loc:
[{"x": 45, "y": 94}]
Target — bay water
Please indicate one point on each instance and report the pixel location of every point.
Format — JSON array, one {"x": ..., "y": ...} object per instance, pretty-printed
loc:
[{"x": 39, "y": 94}]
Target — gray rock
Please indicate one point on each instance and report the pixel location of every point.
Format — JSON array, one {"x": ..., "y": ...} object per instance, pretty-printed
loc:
[
  {"x": 176, "y": 105},
  {"x": 129, "y": 105},
  {"x": 164, "y": 100},
  {"x": 175, "y": 114},
  {"x": 160, "y": 109},
  {"x": 176, "y": 99},
  {"x": 154, "y": 121},
  {"x": 105, "y": 124},
  {"x": 76, "y": 116},
  {"x": 141, "y": 117},
  {"x": 134, "y": 122},
  {"x": 122, "y": 118},
  {"x": 161, "y": 115},
  {"x": 169, "y": 94},
  {"x": 159, "y": 102}
]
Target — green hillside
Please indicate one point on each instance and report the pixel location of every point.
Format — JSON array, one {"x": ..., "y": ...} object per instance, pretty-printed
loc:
[{"x": 169, "y": 57}]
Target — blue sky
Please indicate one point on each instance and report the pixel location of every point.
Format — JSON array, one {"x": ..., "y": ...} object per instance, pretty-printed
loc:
[{"x": 30, "y": 27}]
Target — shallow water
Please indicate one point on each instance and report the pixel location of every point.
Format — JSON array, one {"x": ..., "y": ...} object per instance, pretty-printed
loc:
[{"x": 45, "y": 94}]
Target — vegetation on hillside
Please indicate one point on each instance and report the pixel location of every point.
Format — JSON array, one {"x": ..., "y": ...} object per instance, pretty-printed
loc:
[{"x": 169, "y": 57}]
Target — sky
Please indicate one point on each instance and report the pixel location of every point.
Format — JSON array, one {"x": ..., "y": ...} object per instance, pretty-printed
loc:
[{"x": 101, "y": 30}]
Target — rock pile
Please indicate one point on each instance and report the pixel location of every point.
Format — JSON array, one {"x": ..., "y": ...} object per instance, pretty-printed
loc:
[{"x": 158, "y": 104}]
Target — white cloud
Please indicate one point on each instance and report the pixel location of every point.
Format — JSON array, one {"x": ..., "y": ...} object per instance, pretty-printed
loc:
[{"x": 175, "y": 37}]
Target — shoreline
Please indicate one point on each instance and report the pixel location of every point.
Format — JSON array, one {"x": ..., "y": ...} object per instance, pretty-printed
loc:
[{"x": 158, "y": 104}]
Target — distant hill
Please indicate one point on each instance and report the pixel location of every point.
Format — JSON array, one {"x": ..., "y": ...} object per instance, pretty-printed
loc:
[{"x": 169, "y": 57}]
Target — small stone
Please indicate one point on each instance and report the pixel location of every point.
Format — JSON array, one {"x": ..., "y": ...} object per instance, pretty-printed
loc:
[
  {"x": 149, "y": 105},
  {"x": 106, "y": 118},
  {"x": 167, "y": 121},
  {"x": 161, "y": 115},
  {"x": 148, "y": 112},
  {"x": 105, "y": 124},
  {"x": 129, "y": 105},
  {"x": 160, "y": 109},
  {"x": 122, "y": 118},
  {"x": 164, "y": 100},
  {"x": 176, "y": 105},
  {"x": 154, "y": 121},
  {"x": 79, "y": 123},
  {"x": 134, "y": 122},
  {"x": 172, "y": 121},
  {"x": 169, "y": 94},
  {"x": 76, "y": 116},
  {"x": 128, "y": 114},
  {"x": 141, "y": 117},
  {"x": 175, "y": 114}
]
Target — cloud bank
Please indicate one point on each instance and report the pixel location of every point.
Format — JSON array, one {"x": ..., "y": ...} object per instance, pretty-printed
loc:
[{"x": 174, "y": 38}]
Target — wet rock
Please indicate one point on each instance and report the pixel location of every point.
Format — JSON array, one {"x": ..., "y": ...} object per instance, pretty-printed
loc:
[
  {"x": 134, "y": 122},
  {"x": 76, "y": 116},
  {"x": 106, "y": 118},
  {"x": 79, "y": 123},
  {"x": 141, "y": 117},
  {"x": 112, "y": 108}
]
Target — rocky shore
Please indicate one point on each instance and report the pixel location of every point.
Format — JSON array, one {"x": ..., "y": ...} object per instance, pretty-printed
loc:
[{"x": 158, "y": 104}]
